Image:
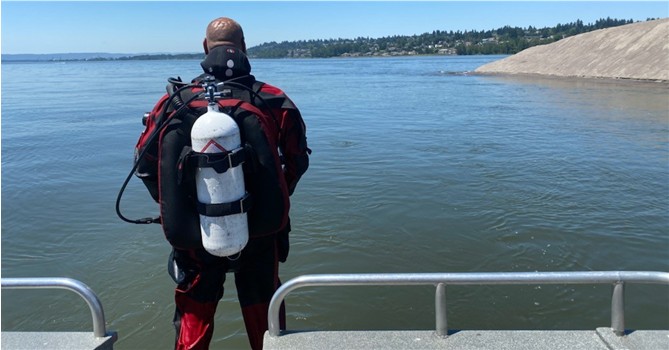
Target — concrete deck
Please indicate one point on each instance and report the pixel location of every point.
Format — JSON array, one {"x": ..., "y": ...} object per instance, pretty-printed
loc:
[
  {"x": 601, "y": 338},
  {"x": 57, "y": 341}
]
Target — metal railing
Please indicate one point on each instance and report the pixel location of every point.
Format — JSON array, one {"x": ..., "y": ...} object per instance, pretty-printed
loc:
[
  {"x": 440, "y": 280},
  {"x": 70, "y": 284}
]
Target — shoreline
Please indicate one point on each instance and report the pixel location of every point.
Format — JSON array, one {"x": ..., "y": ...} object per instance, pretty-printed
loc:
[
  {"x": 250, "y": 58},
  {"x": 602, "y": 79}
]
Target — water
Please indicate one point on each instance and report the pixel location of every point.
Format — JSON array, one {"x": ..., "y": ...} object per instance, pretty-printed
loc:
[{"x": 417, "y": 167}]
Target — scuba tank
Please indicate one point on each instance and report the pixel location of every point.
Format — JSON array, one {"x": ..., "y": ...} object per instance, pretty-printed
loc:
[
  {"x": 220, "y": 184},
  {"x": 224, "y": 206}
]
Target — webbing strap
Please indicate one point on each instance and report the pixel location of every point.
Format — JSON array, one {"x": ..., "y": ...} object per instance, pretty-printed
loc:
[
  {"x": 221, "y": 162},
  {"x": 222, "y": 209}
]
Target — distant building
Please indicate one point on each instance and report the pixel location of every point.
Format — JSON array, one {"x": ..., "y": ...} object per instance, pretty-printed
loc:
[{"x": 449, "y": 51}]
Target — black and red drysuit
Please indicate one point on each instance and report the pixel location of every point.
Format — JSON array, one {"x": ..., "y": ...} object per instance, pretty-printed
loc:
[{"x": 199, "y": 275}]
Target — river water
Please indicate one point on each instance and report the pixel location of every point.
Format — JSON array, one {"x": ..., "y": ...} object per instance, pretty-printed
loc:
[{"x": 417, "y": 166}]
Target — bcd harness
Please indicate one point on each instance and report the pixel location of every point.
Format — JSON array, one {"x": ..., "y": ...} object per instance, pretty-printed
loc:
[{"x": 165, "y": 160}]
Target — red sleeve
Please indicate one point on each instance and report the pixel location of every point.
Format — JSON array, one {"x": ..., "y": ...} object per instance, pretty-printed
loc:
[
  {"x": 293, "y": 143},
  {"x": 147, "y": 165},
  {"x": 151, "y": 122}
]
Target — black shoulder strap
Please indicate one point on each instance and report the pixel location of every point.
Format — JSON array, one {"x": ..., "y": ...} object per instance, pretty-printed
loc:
[{"x": 257, "y": 85}]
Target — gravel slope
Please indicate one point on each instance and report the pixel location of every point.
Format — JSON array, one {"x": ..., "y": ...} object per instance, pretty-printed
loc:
[{"x": 634, "y": 51}]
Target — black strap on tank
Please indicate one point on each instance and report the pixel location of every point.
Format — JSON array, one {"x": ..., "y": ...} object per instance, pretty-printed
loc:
[
  {"x": 222, "y": 209},
  {"x": 220, "y": 162}
]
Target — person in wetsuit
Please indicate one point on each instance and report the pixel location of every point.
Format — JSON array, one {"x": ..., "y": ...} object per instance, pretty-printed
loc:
[{"x": 200, "y": 276}]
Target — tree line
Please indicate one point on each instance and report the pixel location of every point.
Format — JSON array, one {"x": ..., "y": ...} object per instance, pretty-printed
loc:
[{"x": 505, "y": 40}]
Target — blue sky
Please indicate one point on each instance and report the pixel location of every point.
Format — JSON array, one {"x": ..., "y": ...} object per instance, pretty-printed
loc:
[{"x": 172, "y": 26}]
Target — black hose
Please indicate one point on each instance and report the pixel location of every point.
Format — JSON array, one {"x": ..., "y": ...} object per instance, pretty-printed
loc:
[
  {"x": 171, "y": 83},
  {"x": 162, "y": 124}
]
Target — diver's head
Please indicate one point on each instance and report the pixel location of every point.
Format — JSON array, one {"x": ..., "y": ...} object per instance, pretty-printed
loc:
[{"x": 224, "y": 31}]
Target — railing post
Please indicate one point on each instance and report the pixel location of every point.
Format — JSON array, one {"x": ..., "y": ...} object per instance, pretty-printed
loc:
[
  {"x": 618, "y": 309},
  {"x": 440, "y": 280},
  {"x": 440, "y": 310}
]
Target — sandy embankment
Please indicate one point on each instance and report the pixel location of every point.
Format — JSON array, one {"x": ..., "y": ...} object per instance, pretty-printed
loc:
[{"x": 637, "y": 51}]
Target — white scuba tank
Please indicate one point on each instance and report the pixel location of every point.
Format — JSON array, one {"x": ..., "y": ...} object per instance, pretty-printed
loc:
[{"x": 216, "y": 132}]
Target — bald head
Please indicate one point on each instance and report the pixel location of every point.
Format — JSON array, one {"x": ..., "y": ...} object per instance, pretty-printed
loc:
[{"x": 224, "y": 31}]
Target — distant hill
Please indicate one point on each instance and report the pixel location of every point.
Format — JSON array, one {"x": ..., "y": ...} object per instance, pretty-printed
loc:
[
  {"x": 635, "y": 51},
  {"x": 505, "y": 40},
  {"x": 61, "y": 56}
]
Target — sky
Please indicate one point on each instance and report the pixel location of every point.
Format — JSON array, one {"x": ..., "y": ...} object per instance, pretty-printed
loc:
[{"x": 176, "y": 27}]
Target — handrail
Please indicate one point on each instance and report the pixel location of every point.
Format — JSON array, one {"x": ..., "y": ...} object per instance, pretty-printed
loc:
[
  {"x": 616, "y": 278},
  {"x": 70, "y": 284}
]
